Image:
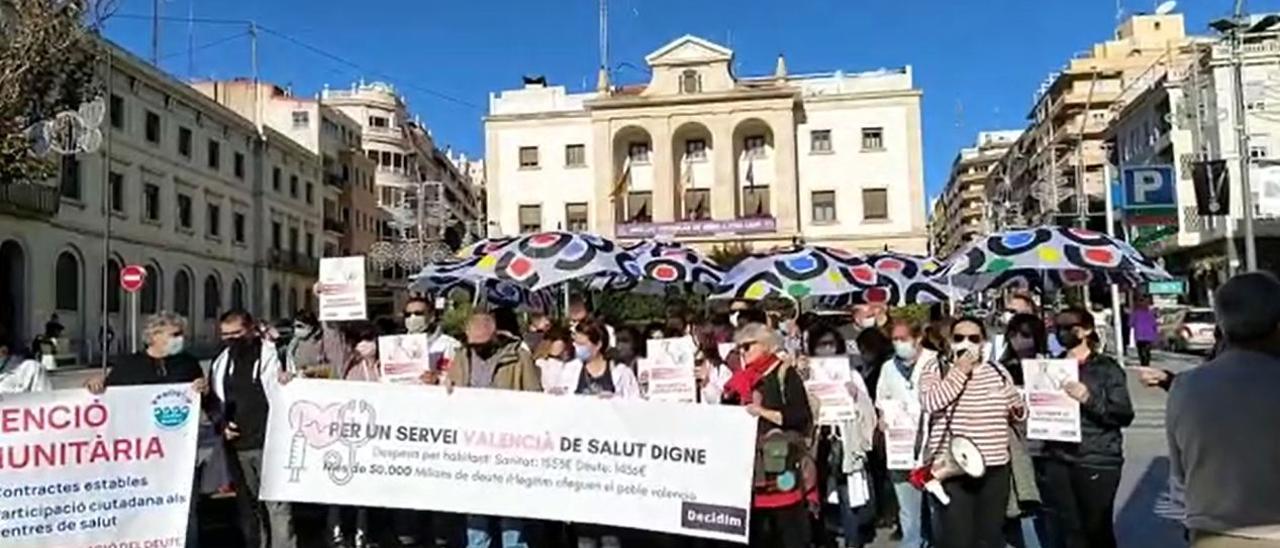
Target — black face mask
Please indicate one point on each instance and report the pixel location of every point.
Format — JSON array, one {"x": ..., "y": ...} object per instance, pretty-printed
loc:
[
  {"x": 485, "y": 350},
  {"x": 1067, "y": 337}
]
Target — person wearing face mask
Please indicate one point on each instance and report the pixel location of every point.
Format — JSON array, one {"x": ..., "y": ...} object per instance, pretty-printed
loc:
[
  {"x": 1024, "y": 340},
  {"x": 899, "y": 388},
  {"x": 538, "y": 325},
  {"x": 306, "y": 355},
  {"x": 165, "y": 361},
  {"x": 246, "y": 377},
  {"x": 591, "y": 372},
  {"x": 551, "y": 355},
  {"x": 420, "y": 317},
  {"x": 1082, "y": 478},
  {"x": 967, "y": 396},
  {"x": 350, "y": 525},
  {"x": 494, "y": 361}
]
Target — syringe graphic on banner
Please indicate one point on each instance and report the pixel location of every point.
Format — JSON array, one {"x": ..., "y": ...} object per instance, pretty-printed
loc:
[{"x": 297, "y": 456}]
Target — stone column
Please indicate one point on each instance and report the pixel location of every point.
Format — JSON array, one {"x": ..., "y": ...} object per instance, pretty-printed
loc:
[
  {"x": 724, "y": 186},
  {"x": 783, "y": 192},
  {"x": 662, "y": 158},
  {"x": 601, "y": 215}
]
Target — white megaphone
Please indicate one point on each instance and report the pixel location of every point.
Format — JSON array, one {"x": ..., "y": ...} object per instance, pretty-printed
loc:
[{"x": 961, "y": 458}]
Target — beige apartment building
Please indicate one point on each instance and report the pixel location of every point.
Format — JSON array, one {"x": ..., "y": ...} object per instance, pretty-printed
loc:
[
  {"x": 704, "y": 156},
  {"x": 1062, "y": 150},
  {"x": 963, "y": 211}
]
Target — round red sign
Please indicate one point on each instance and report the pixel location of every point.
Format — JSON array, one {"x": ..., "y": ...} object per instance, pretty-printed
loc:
[{"x": 132, "y": 278}]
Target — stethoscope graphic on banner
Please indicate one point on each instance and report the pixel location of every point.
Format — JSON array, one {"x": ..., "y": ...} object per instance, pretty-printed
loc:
[{"x": 333, "y": 465}]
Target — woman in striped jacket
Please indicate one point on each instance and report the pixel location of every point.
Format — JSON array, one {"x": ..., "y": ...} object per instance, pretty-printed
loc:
[{"x": 968, "y": 396}]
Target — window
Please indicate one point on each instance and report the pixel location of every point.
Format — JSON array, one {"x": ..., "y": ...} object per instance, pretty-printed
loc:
[
  {"x": 639, "y": 207},
  {"x": 638, "y": 152},
  {"x": 237, "y": 227},
  {"x": 530, "y": 219},
  {"x": 695, "y": 149},
  {"x": 872, "y": 138},
  {"x": 379, "y": 121},
  {"x": 397, "y": 160},
  {"x": 301, "y": 119},
  {"x": 275, "y": 179},
  {"x": 528, "y": 157},
  {"x": 149, "y": 301},
  {"x": 310, "y": 192},
  {"x": 690, "y": 82},
  {"x": 575, "y": 217},
  {"x": 184, "y": 211},
  {"x": 754, "y": 146},
  {"x": 69, "y": 177},
  {"x": 184, "y": 142},
  {"x": 151, "y": 202},
  {"x": 67, "y": 282},
  {"x": 182, "y": 293},
  {"x": 115, "y": 182},
  {"x": 212, "y": 297},
  {"x": 293, "y": 299},
  {"x": 311, "y": 245},
  {"x": 875, "y": 204},
  {"x": 275, "y": 235},
  {"x": 113, "y": 285},
  {"x": 575, "y": 155},
  {"x": 237, "y": 165},
  {"x": 820, "y": 140},
  {"x": 117, "y": 111},
  {"x": 275, "y": 301},
  {"x": 755, "y": 201},
  {"x": 237, "y": 294},
  {"x": 824, "y": 206},
  {"x": 293, "y": 240},
  {"x": 153, "y": 128},
  {"x": 697, "y": 204},
  {"x": 215, "y": 155},
  {"x": 386, "y": 159},
  {"x": 293, "y": 186},
  {"x": 213, "y": 214}
]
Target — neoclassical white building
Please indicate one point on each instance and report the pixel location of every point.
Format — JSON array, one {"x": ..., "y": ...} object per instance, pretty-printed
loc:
[{"x": 703, "y": 156}]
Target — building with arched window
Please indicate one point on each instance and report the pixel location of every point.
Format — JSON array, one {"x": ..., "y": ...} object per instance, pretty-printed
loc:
[{"x": 705, "y": 156}]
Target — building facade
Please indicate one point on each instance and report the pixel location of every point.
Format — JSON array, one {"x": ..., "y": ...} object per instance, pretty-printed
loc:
[
  {"x": 963, "y": 211},
  {"x": 176, "y": 179},
  {"x": 1059, "y": 158},
  {"x": 705, "y": 157}
]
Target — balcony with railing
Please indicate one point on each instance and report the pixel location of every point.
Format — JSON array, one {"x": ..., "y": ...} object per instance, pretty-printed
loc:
[
  {"x": 334, "y": 225},
  {"x": 29, "y": 200},
  {"x": 335, "y": 180},
  {"x": 292, "y": 261}
]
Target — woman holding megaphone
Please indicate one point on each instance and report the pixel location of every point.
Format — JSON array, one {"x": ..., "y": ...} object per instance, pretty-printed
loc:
[{"x": 970, "y": 402}]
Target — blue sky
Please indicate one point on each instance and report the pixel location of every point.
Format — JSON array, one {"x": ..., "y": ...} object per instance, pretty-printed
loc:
[{"x": 977, "y": 61}]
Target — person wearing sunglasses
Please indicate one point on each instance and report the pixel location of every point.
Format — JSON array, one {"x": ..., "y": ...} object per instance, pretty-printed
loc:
[
  {"x": 967, "y": 396},
  {"x": 773, "y": 392},
  {"x": 1082, "y": 478}
]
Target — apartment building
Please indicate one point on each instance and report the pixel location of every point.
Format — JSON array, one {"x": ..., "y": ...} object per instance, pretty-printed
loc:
[{"x": 964, "y": 211}]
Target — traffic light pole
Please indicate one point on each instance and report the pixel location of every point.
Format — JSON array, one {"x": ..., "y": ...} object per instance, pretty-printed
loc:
[{"x": 1242, "y": 140}]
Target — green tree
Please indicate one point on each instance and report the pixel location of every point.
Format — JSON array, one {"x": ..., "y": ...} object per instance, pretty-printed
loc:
[
  {"x": 48, "y": 53},
  {"x": 730, "y": 254}
]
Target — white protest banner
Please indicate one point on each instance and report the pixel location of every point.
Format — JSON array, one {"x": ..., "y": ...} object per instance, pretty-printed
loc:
[
  {"x": 901, "y": 426},
  {"x": 675, "y": 468},
  {"x": 677, "y": 351},
  {"x": 1051, "y": 414},
  {"x": 830, "y": 369},
  {"x": 666, "y": 382},
  {"x": 835, "y": 404},
  {"x": 341, "y": 289},
  {"x": 109, "y": 470},
  {"x": 404, "y": 358}
]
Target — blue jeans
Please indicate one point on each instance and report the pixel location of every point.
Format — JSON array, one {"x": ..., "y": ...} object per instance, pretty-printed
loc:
[
  {"x": 910, "y": 506},
  {"x": 511, "y": 529}
]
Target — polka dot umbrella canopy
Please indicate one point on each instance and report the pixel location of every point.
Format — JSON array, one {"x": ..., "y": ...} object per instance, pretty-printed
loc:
[
  {"x": 798, "y": 272},
  {"x": 1051, "y": 255},
  {"x": 460, "y": 278},
  {"x": 545, "y": 259},
  {"x": 663, "y": 265},
  {"x": 904, "y": 279}
]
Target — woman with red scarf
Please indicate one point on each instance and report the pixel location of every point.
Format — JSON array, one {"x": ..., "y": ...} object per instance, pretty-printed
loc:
[{"x": 773, "y": 392}]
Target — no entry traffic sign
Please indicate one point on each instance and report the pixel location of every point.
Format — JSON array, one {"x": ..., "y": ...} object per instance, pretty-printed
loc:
[{"x": 132, "y": 278}]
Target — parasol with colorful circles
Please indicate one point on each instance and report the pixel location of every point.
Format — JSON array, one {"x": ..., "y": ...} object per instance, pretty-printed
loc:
[
  {"x": 1050, "y": 255},
  {"x": 545, "y": 259},
  {"x": 904, "y": 279},
  {"x": 798, "y": 272},
  {"x": 664, "y": 265}
]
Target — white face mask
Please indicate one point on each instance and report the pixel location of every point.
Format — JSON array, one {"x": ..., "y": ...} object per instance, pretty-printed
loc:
[
  {"x": 961, "y": 347},
  {"x": 174, "y": 346},
  {"x": 415, "y": 324},
  {"x": 367, "y": 349},
  {"x": 867, "y": 322},
  {"x": 905, "y": 350}
]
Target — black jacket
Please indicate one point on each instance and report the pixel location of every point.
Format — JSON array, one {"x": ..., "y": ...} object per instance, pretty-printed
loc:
[
  {"x": 784, "y": 391},
  {"x": 140, "y": 368},
  {"x": 1101, "y": 417}
]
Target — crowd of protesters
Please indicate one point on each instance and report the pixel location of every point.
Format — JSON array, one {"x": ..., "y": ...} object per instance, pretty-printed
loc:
[{"x": 823, "y": 485}]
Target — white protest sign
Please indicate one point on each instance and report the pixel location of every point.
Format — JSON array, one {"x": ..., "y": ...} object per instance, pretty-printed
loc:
[
  {"x": 835, "y": 404},
  {"x": 667, "y": 467},
  {"x": 830, "y": 369},
  {"x": 1051, "y": 414},
  {"x": 902, "y": 421},
  {"x": 677, "y": 351},
  {"x": 667, "y": 383},
  {"x": 107, "y": 470},
  {"x": 404, "y": 358},
  {"x": 341, "y": 289}
]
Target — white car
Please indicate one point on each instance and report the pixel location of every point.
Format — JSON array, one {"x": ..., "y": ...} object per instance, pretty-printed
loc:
[{"x": 1194, "y": 331}]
